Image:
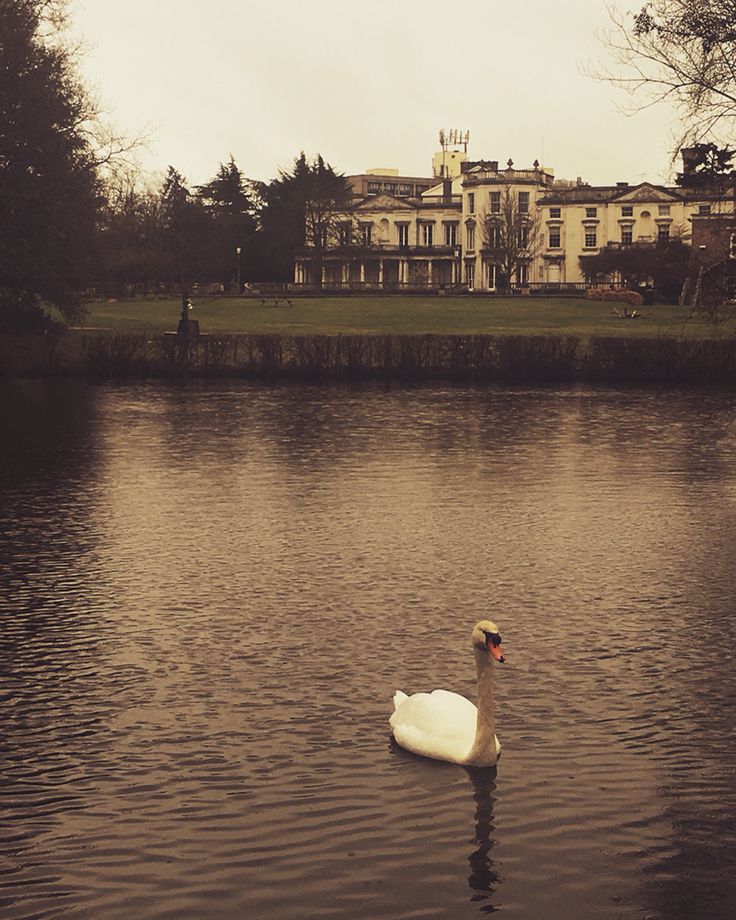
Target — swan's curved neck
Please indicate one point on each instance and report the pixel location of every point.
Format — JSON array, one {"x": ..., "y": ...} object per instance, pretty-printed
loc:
[{"x": 485, "y": 726}]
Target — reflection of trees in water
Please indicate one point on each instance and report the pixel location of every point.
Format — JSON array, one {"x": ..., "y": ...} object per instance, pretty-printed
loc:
[
  {"x": 54, "y": 708},
  {"x": 46, "y": 468},
  {"x": 483, "y": 878}
]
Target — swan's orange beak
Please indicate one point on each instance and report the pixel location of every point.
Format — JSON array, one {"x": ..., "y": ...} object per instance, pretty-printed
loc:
[{"x": 497, "y": 652}]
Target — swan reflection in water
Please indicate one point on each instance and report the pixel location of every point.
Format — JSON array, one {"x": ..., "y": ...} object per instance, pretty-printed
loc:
[{"x": 483, "y": 878}]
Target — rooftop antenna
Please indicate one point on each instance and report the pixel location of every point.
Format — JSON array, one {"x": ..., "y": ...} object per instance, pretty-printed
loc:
[{"x": 452, "y": 138}]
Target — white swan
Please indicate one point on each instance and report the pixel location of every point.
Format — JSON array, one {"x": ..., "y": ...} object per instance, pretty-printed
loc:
[{"x": 446, "y": 726}]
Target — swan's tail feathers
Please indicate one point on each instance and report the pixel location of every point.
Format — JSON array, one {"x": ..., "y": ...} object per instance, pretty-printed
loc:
[{"x": 399, "y": 698}]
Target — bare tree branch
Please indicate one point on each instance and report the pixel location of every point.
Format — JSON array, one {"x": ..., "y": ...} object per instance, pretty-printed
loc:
[{"x": 681, "y": 51}]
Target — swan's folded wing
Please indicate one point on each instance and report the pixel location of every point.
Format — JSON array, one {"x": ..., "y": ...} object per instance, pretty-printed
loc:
[{"x": 440, "y": 724}]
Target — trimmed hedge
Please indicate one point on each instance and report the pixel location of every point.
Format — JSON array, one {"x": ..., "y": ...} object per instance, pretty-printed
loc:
[
  {"x": 534, "y": 359},
  {"x": 615, "y": 294}
]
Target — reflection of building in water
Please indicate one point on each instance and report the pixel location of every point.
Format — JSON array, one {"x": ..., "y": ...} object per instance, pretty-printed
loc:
[{"x": 441, "y": 231}]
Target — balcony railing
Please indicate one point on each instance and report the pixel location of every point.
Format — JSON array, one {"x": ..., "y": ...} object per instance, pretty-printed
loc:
[
  {"x": 442, "y": 199},
  {"x": 379, "y": 287},
  {"x": 376, "y": 250},
  {"x": 506, "y": 176}
]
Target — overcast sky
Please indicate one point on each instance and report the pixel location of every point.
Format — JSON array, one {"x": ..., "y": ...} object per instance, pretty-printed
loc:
[{"x": 366, "y": 84}]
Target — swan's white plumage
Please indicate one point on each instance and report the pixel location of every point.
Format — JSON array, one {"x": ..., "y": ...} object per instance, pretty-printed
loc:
[
  {"x": 446, "y": 726},
  {"x": 439, "y": 724}
]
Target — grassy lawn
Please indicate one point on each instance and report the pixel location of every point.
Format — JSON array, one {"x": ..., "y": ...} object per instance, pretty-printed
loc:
[{"x": 401, "y": 315}]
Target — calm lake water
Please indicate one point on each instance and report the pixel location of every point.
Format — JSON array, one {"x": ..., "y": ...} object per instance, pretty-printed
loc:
[{"x": 210, "y": 593}]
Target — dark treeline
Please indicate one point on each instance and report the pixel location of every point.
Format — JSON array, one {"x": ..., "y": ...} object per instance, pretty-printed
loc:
[
  {"x": 152, "y": 235},
  {"x": 76, "y": 220}
]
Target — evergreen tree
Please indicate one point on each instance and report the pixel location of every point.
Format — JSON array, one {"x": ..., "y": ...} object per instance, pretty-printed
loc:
[
  {"x": 183, "y": 229},
  {"x": 707, "y": 166},
  {"x": 302, "y": 213},
  {"x": 49, "y": 193},
  {"x": 229, "y": 200}
]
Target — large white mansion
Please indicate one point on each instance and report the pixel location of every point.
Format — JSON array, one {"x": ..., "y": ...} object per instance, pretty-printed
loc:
[{"x": 414, "y": 233}]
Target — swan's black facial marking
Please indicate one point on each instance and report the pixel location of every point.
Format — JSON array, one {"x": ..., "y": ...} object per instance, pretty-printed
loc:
[{"x": 492, "y": 638}]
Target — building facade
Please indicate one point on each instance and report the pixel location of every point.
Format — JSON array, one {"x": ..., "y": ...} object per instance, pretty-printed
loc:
[{"x": 476, "y": 226}]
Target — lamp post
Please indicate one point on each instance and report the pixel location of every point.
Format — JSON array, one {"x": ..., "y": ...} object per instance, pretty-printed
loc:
[{"x": 237, "y": 252}]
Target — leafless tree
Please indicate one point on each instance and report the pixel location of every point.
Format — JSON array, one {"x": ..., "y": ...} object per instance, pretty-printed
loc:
[
  {"x": 512, "y": 236},
  {"x": 682, "y": 51}
]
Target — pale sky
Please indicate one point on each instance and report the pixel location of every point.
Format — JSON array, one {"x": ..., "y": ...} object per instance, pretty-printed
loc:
[{"x": 366, "y": 84}]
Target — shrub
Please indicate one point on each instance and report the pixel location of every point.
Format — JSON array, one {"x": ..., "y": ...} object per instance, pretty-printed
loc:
[
  {"x": 616, "y": 294},
  {"x": 630, "y": 297}
]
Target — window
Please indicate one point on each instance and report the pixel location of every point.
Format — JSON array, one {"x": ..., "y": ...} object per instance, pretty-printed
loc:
[
  {"x": 469, "y": 274},
  {"x": 703, "y": 209},
  {"x": 403, "y": 233},
  {"x": 427, "y": 234},
  {"x": 404, "y": 190},
  {"x": 555, "y": 213},
  {"x": 627, "y": 236},
  {"x": 591, "y": 238},
  {"x": 365, "y": 234},
  {"x": 374, "y": 188},
  {"x": 523, "y": 202},
  {"x": 663, "y": 210},
  {"x": 470, "y": 237},
  {"x": 471, "y": 202},
  {"x": 554, "y": 237},
  {"x": 345, "y": 234},
  {"x": 450, "y": 234},
  {"x": 493, "y": 236},
  {"x": 389, "y": 187},
  {"x": 495, "y": 202},
  {"x": 627, "y": 210},
  {"x": 522, "y": 273},
  {"x": 523, "y": 237},
  {"x": 663, "y": 233},
  {"x": 591, "y": 212}
]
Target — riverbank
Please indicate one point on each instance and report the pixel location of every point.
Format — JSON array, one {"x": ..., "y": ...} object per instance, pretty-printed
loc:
[{"x": 479, "y": 358}]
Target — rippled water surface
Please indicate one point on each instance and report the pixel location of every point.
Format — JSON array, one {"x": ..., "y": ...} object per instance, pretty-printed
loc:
[{"x": 210, "y": 594}]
